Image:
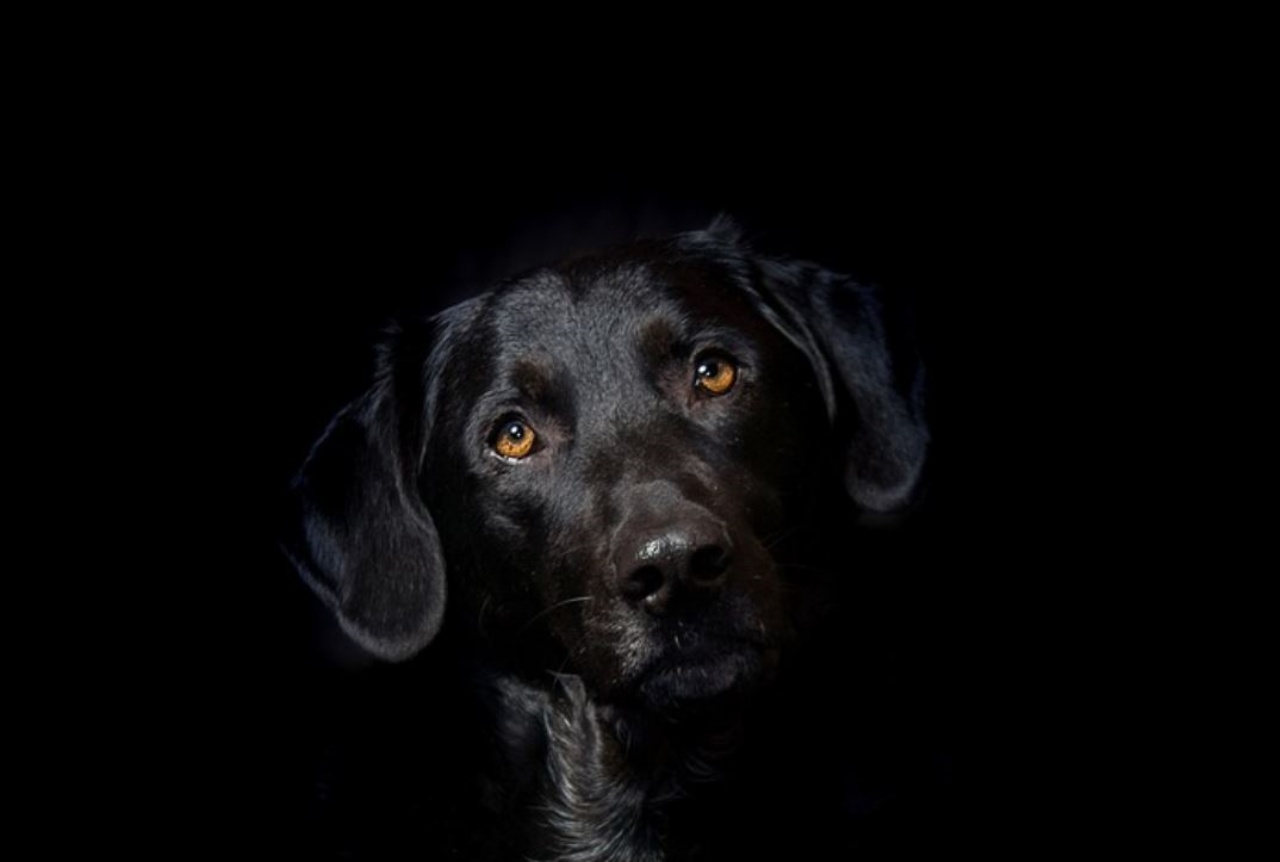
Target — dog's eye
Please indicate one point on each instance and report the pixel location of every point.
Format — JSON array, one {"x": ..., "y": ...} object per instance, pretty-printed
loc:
[
  {"x": 513, "y": 439},
  {"x": 715, "y": 374}
]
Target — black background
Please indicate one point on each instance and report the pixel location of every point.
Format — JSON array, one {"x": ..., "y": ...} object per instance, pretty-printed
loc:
[{"x": 301, "y": 212}]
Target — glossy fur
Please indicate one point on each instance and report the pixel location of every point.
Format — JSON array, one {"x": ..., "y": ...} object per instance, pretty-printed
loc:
[{"x": 613, "y": 604}]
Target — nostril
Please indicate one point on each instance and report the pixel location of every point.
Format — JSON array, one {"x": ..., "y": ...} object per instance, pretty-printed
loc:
[
  {"x": 643, "y": 582},
  {"x": 662, "y": 569},
  {"x": 708, "y": 564}
]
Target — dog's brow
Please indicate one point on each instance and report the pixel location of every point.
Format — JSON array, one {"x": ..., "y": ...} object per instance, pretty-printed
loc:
[
  {"x": 531, "y": 378},
  {"x": 657, "y": 341}
]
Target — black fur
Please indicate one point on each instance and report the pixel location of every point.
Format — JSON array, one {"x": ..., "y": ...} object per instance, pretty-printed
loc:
[{"x": 625, "y": 603}]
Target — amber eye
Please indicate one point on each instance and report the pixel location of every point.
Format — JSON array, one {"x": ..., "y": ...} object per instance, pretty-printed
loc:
[
  {"x": 715, "y": 374},
  {"x": 513, "y": 439}
]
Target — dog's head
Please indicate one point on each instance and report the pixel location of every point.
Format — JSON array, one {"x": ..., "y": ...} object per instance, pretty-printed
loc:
[{"x": 600, "y": 459}]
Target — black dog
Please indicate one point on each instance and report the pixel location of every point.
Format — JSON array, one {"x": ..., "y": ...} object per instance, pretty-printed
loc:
[{"x": 597, "y": 489}]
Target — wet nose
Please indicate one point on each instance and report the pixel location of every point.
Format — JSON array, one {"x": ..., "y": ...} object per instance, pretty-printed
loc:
[{"x": 657, "y": 567}]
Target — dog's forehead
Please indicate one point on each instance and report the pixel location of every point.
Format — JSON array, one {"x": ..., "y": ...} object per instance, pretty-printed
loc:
[{"x": 601, "y": 313}]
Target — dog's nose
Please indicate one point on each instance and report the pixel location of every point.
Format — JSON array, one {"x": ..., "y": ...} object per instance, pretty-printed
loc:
[{"x": 658, "y": 567}]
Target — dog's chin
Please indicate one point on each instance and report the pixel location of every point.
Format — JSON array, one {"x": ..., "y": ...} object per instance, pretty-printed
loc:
[{"x": 706, "y": 675}]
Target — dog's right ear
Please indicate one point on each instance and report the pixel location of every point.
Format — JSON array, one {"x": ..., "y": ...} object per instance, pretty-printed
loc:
[{"x": 357, "y": 529}]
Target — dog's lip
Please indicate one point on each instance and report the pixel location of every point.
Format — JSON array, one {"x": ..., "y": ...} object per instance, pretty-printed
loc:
[
  {"x": 701, "y": 667},
  {"x": 698, "y": 644}
]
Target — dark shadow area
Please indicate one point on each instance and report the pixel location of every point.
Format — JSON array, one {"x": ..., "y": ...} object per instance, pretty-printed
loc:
[{"x": 324, "y": 220}]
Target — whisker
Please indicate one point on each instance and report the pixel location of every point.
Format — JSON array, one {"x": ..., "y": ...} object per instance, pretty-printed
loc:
[
  {"x": 773, "y": 540},
  {"x": 568, "y": 656},
  {"x": 542, "y": 613},
  {"x": 563, "y": 554}
]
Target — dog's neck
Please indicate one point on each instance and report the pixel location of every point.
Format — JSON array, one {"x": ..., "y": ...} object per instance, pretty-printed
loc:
[{"x": 605, "y": 779}]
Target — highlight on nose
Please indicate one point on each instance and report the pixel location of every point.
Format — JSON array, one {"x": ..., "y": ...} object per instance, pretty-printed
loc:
[{"x": 657, "y": 567}]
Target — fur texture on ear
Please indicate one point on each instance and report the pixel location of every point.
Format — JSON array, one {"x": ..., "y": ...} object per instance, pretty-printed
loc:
[
  {"x": 874, "y": 390},
  {"x": 358, "y": 532},
  {"x": 874, "y": 394}
]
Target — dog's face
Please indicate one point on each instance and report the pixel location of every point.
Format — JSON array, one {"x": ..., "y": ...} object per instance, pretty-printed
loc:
[
  {"x": 601, "y": 460},
  {"x": 629, "y": 435}
]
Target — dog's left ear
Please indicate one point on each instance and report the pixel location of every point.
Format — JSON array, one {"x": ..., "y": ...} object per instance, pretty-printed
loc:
[{"x": 872, "y": 385}]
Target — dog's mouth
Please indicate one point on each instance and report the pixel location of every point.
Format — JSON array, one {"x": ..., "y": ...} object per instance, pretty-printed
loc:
[{"x": 701, "y": 668}]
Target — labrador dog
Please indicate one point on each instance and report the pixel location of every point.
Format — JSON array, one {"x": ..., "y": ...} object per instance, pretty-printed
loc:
[{"x": 599, "y": 490}]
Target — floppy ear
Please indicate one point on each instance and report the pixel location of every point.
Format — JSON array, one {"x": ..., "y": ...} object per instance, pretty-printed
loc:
[
  {"x": 874, "y": 394},
  {"x": 358, "y": 532}
]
